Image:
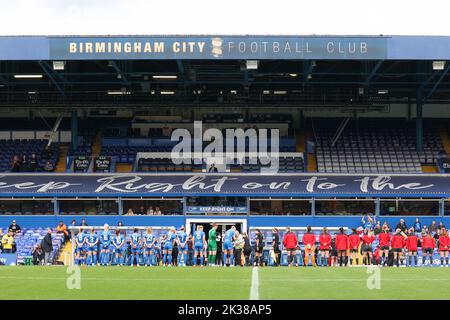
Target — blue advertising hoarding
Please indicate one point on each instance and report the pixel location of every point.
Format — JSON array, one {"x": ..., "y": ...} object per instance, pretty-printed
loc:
[
  {"x": 8, "y": 259},
  {"x": 294, "y": 185}
]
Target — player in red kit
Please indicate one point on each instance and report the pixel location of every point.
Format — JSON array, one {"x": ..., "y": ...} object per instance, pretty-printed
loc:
[
  {"x": 309, "y": 241},
  {"x": 384, "y": 239},
  {"x": 353, "y": 243},
  {"x": 367, "y": 239},
  {"x": 428, "y": 245},
  {"x": 411, "y": 245},
  {"x": 444, "y": 244},
  {"x": 324, "y": 247},
  {"x": 397, "y": 244},
  {"x": 341, "y": 246}
]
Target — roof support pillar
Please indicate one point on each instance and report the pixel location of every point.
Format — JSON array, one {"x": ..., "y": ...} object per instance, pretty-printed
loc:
[
  {"x": 419, "y": 121},
  {"x": 74, "y": 128}
]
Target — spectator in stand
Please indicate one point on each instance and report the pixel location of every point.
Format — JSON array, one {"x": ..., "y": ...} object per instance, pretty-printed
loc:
[
  {"x": 290, "y": 243},
  {"x": 411, "y": 245},
  {"x": 62, "y": 228},
  {"x": 33, "y": 163},
  {"x": 15, "y": 167},
  {"x": 24, "y": 164},
  {"x": 47, "y": 153},
  {"x": 441, "y": 225},
  {"x": 433, "y": 227},
  {"x": 417, "y": 226},
  {"x": 8, "y": 242},
  {"x": 14, "y": 227},
  {"x": 150, "y": 211},
  {"x": 72, "y": 224},
  {"x": 213, "y": 168},
  {"x": 341, "y": 246},
  {"x": 120, "y": 224},
  {"x": 83, "y": 223},
  {"x": 428, "y": 245},
  {"x": 424, "y": 229},
  {"x": 140, "y": 211},
  {"x": 38, "y": 255},
  {"x": 130, "y": 212},
  {"x": 49, "y": 167},
  {"x": 368, "y": 221},
  {"x": 402, "y": 226},
  {"x": 47, "y": 247},
  {"x": 157, "y": 211},
  {"x": 309, "y": 241}
]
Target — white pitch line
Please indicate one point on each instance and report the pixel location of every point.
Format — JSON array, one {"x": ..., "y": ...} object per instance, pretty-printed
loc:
[{"x": 254, "y": 289}]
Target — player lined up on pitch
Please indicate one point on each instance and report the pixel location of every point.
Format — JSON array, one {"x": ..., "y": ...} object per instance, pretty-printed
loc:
[{"x": 178, "y": 248}]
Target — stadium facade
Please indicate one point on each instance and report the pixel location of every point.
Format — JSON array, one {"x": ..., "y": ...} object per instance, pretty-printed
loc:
[{"x": 379, "y": 77}]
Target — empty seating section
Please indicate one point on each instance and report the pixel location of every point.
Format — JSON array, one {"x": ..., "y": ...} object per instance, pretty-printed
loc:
[
  {"x": 285, "y": 164},
  {"x": 165, "y": 165},
  {"x": 11, "y": 148},
  {"x": 27, "y": 239},
  {"x": 375, "y": 150}
]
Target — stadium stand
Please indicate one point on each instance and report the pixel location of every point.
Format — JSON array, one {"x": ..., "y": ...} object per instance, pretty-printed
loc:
[
  {"x": 9, "y": 149},
  {"x": 28, "y": 238},
  {"x": 375, "y": 148}
]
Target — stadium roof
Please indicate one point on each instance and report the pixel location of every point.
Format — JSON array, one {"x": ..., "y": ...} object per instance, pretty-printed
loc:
[{"x": 172, "y": 70}]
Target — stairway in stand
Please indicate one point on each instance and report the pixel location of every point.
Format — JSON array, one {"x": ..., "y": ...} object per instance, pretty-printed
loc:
[
  {"x": 97, "y": 145},
  {"x": 62, "y": 161}
]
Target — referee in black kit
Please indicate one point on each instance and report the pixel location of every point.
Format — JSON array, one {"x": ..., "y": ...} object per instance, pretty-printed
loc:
[{"x": 276, "y": 246}]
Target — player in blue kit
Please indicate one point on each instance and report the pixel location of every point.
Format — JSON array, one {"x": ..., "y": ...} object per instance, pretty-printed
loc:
[
  {"x": 149, "y": 247},
  {"x": 118, "y": 242},
  {"x": 228, "y": 246},
  {"x": 182, "y": 240},
  {"x": 80, "y": 250},
  {"x": 105, "y": 243},
  {"x": 135, "y": 242},
  {"x": 199, "y": 244},
  {"x": 168, "y": 246},
  {"x": 92, "y": 243}
]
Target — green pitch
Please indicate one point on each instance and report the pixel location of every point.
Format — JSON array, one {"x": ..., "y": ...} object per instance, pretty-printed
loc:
[{"x": 223, "y": 283}]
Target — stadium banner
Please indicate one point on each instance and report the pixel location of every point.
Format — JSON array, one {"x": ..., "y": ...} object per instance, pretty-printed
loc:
[
  {"x": 218, "y": 47},
  {"x": 102, "y": 164},
  {"x": 81, "y": 164},
  {"x": 8, "y": 259},
  {"x": 215, "y": 209},
  {"x": 224, "y": 47},
  {"x": 233, "y": 184},
  {"x": 446, "y": 164}
]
